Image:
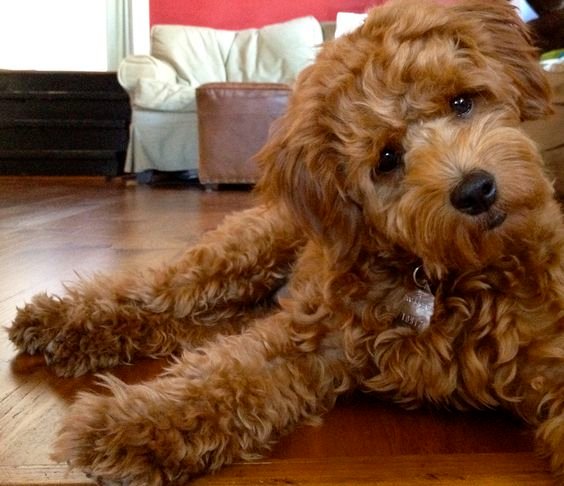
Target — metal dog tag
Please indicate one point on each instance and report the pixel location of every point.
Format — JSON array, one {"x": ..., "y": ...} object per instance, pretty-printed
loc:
[{"x": 416, "y": 308}]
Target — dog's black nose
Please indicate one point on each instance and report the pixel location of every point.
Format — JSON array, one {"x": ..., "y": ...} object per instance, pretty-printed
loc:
[{"x": 475, "y": 194}]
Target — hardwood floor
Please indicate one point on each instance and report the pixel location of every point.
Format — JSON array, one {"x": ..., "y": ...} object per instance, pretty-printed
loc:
[{"x": 53, "y": 227}]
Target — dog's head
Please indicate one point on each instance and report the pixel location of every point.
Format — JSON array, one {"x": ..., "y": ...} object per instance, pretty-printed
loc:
[{"x": 404, "y": 135}]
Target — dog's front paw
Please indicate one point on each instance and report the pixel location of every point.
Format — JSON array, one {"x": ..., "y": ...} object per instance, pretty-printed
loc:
[
  {"x": 132, "y": 437},
  {"x": 66, "y": 336},
  {"x": 37, "y": 323},
  {"x": 76, "y": 350}
]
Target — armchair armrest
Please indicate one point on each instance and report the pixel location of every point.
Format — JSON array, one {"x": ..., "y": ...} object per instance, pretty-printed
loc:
[{"x": 135, "y": 68}]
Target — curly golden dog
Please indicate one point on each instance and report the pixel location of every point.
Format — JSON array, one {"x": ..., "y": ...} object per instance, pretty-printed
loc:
[{"x": 412, "y": 227}]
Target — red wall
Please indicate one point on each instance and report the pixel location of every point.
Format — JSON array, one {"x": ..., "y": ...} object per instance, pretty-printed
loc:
[{"x": 241, "y": 14}]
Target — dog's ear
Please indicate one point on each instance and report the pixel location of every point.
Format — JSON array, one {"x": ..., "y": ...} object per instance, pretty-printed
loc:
[
  {"x": 509, "y": 42},
  {"x": 301, "y": 172}
]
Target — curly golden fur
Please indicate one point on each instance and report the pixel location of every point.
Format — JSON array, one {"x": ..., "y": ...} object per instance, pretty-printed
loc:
[{"x": 401, "y": 148}]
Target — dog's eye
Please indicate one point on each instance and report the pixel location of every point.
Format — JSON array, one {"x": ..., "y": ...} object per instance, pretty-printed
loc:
[
  {"x": 462, "y": 105},
  {"x": 390, "y": 159}
]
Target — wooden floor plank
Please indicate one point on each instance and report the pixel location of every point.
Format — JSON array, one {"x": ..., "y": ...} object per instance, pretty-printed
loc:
[
  {"x": 435, "y": 470},
  {"x": 443, "y": 470}
]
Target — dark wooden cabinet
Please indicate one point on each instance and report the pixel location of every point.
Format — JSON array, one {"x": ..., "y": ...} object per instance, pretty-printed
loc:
[{"x": 62, "y": 123}]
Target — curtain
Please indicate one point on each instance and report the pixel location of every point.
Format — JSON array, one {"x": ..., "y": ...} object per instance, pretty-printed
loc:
[{"x": 127, "y": 29}]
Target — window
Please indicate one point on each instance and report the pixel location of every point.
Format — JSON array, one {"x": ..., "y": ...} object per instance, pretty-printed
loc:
[{"x": 71, "y": 35}]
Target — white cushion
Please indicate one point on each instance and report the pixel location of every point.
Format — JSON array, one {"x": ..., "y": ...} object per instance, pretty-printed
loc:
[
  {"x": 275, "y": 53},
  {"x": 347, "y": 22},
  {"x": 197, "y": 54}
]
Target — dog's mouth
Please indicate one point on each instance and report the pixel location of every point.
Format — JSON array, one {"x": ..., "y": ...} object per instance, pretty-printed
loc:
[{"x": 494, "y": 218}]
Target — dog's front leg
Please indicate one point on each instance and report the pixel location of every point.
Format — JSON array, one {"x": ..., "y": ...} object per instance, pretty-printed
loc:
[
  {"x": 227, "y": 401},
  {"x": 211, "y": 289}
]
